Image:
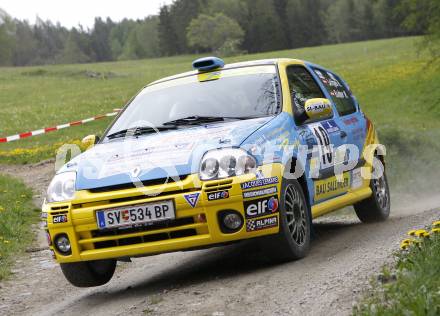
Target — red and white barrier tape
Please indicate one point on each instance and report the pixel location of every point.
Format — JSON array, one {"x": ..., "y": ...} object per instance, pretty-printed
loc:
[{"x": 56, "y": 128}]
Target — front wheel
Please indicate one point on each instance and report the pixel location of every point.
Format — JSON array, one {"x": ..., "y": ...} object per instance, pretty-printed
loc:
[
  {"x": 293, "y": 240},
  {"x": 89, "y": 273}
]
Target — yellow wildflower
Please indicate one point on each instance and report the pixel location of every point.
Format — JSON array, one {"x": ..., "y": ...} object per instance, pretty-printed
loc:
[
  {"x": 412, "y": 232},
  {"x": 2, "y": 208},
  {"x": 6, "y": 241},
  {"x": 422, "y": 233},
  {"x": 435, "y": 230},
  {"x": 436, "y": 224}
]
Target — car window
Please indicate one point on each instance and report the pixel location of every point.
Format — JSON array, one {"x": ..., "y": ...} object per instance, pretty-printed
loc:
[
  {"x": 302, "y": 87},
  {"x": 238, "y": 92},
  {"x": 341, "y": 96}
]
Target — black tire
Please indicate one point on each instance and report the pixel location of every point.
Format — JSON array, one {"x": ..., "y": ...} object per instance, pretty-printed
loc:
[
  {"x": 89, "y": 273},
  {"x": 293, "y": 240},
  {"x": 377, "y": 207}
]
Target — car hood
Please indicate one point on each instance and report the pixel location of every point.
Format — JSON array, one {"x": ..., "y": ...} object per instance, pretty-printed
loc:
[{"x": 168, "y": 154}]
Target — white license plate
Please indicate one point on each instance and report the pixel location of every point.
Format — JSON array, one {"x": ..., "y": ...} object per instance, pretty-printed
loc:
[{"x": 135, "y": 214}]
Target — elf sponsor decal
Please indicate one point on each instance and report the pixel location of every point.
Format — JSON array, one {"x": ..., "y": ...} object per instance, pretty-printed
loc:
[
  {"x": 261, "y": 207},
  {"x": 218, "y": 195},
  {"x": 259, "y": 183},
  {"x": 57, "y": 219},
  {"x": 261, "y": 223},
  {"x": 260, "y": 192},
  {"x": 192, "y": 199},
  {"x": 331, "y": 186},
  {"x": 330, "y": 126}
]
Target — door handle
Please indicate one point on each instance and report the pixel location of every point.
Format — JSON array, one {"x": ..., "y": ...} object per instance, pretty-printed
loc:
[{"x": 343, "y": 134}]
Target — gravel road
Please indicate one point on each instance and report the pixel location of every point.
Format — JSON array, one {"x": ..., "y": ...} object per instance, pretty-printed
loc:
[{"x": 232, "y": 280}]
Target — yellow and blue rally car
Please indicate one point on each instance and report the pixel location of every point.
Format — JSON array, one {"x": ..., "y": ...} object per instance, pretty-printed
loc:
[{"x": 217, "y": 155}]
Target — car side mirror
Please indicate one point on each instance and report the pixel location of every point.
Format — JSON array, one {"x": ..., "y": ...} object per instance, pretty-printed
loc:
[
  {"x": 90, "y": 140},
  {"x": 318, "y": 108}
]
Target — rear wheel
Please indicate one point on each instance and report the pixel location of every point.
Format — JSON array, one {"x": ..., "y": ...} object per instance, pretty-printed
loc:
[
  {"x": 377, "y": 207},
  {"x": 89, "y": 273},
  {"x": 293, "y": 240}
]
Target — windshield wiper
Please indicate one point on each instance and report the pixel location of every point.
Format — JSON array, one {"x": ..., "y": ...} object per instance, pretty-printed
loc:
[
  {"x": 195, "y": 119},
  {"x": 140, "y": 130}
]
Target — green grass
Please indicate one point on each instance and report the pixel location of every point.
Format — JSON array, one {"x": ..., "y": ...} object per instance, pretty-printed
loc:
[
  {"x": 16, "y": 214},
  {"x": 392, "y": 81},
  {"x": 412, "y": 287}
]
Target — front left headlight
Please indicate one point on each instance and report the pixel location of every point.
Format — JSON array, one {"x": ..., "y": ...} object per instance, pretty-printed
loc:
[
  {"x": 227, "y": 162},
  {"x": 62, "y": 187}
]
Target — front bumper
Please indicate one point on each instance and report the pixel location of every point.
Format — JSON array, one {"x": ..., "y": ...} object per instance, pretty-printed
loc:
[{"x": 193, "y": 227}]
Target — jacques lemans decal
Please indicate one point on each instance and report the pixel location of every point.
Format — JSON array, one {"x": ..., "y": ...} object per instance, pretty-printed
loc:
[
  {"x": 260, "y": 192},
  {"x": 57, "y": 219},
  {"x": 261, "y": 207},
  {"x": 192, "y": 199},
  {"x": 261, "y": 223},
  {"x": 218, "y": 195},
  {"x": 259, "y": 183}
]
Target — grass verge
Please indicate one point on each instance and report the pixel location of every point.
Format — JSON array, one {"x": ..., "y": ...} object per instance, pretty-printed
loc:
[
  {"x": 412, "y": 287},
  {"x": 17, "y": 213}
]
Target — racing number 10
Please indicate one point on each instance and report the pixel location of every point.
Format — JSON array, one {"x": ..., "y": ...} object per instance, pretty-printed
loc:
[{"x": 325, "y": 149}]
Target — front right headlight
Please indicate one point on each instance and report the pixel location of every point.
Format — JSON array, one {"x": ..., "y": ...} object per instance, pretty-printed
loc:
[
  {"x": 226, "y": 162},
  {"x": 62, "y": 187}
]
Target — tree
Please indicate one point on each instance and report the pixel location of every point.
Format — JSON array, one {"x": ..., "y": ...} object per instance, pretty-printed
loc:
[
  {"x": 167, "y": 34},
  {"x": 72, "y": 52},
  {"x": 6, "y": 39},
  {"x": 25, "y": 44},
  {"x": 100, "y": 39},
  {"x": 263, "y": 31},
  {"x": 423, "y": 17},
  {"x": 214, "y": 33}
]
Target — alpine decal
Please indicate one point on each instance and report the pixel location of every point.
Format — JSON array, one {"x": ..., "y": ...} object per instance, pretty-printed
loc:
[{"x": 261, "y": 223}]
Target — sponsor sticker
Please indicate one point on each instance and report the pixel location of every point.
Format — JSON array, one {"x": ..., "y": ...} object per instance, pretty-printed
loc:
[
  {"x": 330, "y": 187},
  {"x": 218, "y": 195},
  {"x": 330, "y": 126},
  {"x": 192, "y": 199},
  {"x": 57, "y": 219},
  {"x": 260, "y": 192},
  {"x": 261, "y": 223},
  {"x": 259, "y": 183},
  {"x": 356, "y": 178},
  {"x": 261, "y": 207},
  {"x": 350, "y": 121}
]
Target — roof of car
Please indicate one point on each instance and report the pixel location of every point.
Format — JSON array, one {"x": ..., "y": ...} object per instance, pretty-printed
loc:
[{"x": 250, "y": 63}]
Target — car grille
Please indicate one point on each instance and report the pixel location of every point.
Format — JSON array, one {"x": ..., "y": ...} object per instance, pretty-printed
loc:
[{"x": 144, "y": 238}]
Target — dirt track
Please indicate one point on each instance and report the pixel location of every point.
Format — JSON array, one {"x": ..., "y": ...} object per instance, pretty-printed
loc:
[{"x": 233, "y": 280}]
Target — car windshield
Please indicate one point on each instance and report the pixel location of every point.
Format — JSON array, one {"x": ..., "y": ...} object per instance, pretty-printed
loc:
[{"x": 238, "y": 93}]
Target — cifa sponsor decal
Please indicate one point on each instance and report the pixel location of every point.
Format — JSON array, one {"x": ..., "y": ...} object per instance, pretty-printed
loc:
[
  {"x": 260, "y": 192},
  {"x": 261, "y": 223},
  {"x": 261, "y": 207}
]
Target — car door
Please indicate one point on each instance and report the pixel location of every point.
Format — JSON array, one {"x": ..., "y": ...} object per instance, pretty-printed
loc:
[{"x": 321, "y": 137}]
